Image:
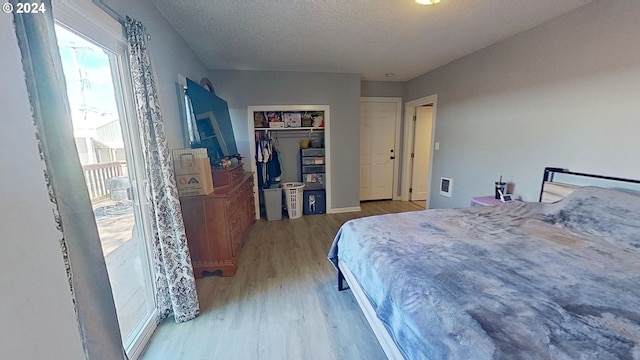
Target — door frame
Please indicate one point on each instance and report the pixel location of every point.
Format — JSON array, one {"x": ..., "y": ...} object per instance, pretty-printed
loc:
[
  {"x": 88, "y": 20},
  {"x": 409, "y": 113},
  {"x": 396, "y": 143}
]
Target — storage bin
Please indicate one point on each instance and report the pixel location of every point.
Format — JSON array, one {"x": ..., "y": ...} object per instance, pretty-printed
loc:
[
  {"x": 314, "y": 202},
  {"x": 293, "y": 194},
  {"x": 312, "y": 160},
  {"x": 273, "y": 202},
  {"x": 306, "y": 169},
  {"x": 312, "y": 152},
  {"x": 313, "y": 181}
]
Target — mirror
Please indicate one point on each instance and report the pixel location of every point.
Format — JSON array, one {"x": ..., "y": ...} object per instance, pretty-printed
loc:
[{"x": 209, "y": 124}]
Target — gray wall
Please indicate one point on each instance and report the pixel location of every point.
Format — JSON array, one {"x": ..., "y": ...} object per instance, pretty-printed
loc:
[
  {"x": 37, "y": 319},
  {"x": 170, "y": 56},
  {"x": 340, "y": 91},
  {"x": 381, "y": 89},
  {"x": 562, "y": 94}
]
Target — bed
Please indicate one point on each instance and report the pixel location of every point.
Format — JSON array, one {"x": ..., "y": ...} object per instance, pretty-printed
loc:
[{"x": 514, "y": 281}]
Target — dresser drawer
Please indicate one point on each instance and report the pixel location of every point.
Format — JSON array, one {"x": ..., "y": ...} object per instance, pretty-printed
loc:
[
  {"x": 223, "y": 177},
  {"x": 217, "y": 225},
  {"x": 235, "y": 197},
  {"x": 235, "y": 219},
  {"x": 237, "y": 231}
]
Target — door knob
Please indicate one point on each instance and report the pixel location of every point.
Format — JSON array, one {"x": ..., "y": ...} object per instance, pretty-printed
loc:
[{"x": 392, "y": 157}]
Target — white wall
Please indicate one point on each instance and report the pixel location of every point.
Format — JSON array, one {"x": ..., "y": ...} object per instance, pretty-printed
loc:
[
  {"x": 562, "y": 94},
  {"x": 341, "y": 91},
  {"x": 37, "y": 320}
]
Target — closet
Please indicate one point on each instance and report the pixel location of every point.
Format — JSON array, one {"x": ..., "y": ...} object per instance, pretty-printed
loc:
[{"x": 278, "y": 132}]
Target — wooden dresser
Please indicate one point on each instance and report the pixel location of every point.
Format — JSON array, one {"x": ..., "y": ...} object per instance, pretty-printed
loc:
[{"x": 217, "y": 226}]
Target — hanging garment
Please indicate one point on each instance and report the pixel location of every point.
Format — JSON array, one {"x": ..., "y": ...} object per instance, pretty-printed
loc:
[
  {"x": 266, "y": 151},
  {"x": 259, "y": 151},
  {"x": 274, "y": 169}
]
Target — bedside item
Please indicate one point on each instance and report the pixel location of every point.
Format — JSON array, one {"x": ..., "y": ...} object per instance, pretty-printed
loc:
[
  {"x": 489, "y": 200},
  {"x": 501, "y": 187},
  {"x": 505, "y": 197}
]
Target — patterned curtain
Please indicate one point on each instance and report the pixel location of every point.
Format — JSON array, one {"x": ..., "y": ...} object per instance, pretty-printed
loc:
[{"x": 174, "y": 280}]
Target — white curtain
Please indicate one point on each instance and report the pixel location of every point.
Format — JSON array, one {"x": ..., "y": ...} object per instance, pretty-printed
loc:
[{"x": 175, "y": 283}]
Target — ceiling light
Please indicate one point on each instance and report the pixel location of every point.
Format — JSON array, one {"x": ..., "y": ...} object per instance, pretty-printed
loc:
[
  {"x": 389, "y": 75},
  {"x": 427, "y": 2}
]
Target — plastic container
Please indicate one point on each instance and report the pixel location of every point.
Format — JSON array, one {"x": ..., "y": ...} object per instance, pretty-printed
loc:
[
  {"x": 313, "y": 181},
  {"x": 312, "y": 160},
  {"x": 313, "y": 152},
  {"x": 273, "y": 202},
  {"x": 293, "y": 194},
  {"x": 307, "y": 169}
]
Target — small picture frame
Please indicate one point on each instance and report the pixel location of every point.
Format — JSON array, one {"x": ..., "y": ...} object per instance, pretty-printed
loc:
[{"x": 446, "y": 186}]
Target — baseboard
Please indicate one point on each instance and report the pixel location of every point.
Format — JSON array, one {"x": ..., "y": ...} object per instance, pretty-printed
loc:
[{"x": 344, "y": 210}]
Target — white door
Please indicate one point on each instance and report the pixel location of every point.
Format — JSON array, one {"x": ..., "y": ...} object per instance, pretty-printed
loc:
[
  {"x": 421, "y": 155},
  {"x": 377, "y": 154}
]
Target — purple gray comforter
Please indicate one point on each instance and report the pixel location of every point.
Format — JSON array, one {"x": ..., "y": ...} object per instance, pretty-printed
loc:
[{"x": 514, "y": 281}]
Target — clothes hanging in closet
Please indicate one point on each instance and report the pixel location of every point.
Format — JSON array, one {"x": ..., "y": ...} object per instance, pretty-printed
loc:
[{"x": 268, "y": 161}]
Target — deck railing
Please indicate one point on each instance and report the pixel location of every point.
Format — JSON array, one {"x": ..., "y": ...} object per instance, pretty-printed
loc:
[{"x": 96, "y": 176}]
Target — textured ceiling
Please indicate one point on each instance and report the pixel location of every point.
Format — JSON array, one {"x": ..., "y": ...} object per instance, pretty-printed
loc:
[{"x": 369, "y": 37}]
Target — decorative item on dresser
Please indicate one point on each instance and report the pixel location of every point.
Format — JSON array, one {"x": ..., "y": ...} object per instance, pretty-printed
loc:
[
  {"x": 217, "y": 224},
  {"x": 226, "y": 176}
]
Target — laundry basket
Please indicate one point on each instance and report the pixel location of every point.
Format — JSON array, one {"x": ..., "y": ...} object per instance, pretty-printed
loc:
[{"x": 293, "y": 194}]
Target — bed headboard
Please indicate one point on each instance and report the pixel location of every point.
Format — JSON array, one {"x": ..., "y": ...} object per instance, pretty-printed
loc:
[{"x": 552, "y": 191}]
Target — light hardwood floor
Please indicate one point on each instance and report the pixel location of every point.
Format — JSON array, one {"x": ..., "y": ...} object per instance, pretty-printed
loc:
[
  {"x": 283, "y": 302},
  {"x": 421, "y": 203}
]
